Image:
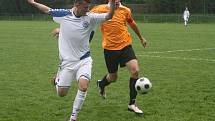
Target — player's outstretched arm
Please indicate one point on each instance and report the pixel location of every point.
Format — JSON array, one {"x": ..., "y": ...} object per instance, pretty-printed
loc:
[
  {"x": 40, "y": 6},
  {"x": 111, "y": 12}
]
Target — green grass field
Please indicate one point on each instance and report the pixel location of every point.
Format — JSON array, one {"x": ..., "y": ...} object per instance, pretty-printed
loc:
[{"x": 179, "y": 61}]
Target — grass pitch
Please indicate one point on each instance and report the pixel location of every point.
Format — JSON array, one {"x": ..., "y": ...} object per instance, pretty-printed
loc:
[{"x": 179, "y": 61}]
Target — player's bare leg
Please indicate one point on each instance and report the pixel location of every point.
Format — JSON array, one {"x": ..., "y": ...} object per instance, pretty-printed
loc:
[{"x": 106, "y": 80}]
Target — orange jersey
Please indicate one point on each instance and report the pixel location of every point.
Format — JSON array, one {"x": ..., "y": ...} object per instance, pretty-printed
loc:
[{"x": 115, "y": 35}]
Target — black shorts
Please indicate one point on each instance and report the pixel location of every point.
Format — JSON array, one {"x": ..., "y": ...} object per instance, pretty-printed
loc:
[{"x": 114, "y": 58}]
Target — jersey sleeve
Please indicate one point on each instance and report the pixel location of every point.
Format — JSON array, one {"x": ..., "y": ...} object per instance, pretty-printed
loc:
[
  {"x": 98, "y": 18},
  {"x": 58, "y": 14},
  {"x": 129, "y": 17}
]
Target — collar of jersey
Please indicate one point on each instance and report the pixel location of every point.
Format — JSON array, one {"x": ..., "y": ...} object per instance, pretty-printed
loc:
[{"x": 72, "y": 12}]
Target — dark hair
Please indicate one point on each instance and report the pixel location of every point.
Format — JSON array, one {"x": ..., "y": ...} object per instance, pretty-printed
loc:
[{"x": 81, "y": 1}]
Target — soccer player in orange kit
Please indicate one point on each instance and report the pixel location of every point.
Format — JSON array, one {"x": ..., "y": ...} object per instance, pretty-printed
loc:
[{"x": 116, "y": 41}]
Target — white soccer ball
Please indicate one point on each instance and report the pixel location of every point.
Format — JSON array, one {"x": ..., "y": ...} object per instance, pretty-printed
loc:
[{"x": 143, "y": 85}]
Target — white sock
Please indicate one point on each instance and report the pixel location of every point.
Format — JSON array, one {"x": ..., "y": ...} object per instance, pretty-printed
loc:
[{"x": 78, "y": 102}]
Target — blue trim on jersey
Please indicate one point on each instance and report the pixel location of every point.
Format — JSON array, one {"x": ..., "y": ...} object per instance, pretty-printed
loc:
[
  {"x": 87, "y": 54},
  {"x": 59, "y": 12}
]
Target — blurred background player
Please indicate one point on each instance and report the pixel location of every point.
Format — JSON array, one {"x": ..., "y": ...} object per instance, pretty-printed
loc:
[
  {"x": 186, "y": 16},
  {"x": 116, "y": 41},
  {"x": 76, "y": 24}
]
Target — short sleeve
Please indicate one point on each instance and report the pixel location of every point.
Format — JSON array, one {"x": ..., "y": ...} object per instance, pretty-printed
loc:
[
  {"x": 129, "y": 18},
  {"x": 98, "y": 18},
  {"x": 58, "y": 14}
]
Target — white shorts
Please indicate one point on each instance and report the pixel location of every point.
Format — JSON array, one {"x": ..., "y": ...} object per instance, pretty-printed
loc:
[
  {"x": 185, "y": 18},
  {"x": 73, "y": 71}
]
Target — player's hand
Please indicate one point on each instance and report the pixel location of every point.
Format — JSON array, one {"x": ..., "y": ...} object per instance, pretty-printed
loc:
[
  {"x": 55, "y": 32},
  {"x": 143, "y": 42},
  {"x": 31, "y": 1}
]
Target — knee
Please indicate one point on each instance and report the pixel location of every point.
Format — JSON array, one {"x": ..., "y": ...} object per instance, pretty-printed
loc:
[
  {"x": 83, "y": 88},
  {"x": 62, "y": 92},
  {"x": 134, "y": 72},
  {"x": 83, "y": 84}
]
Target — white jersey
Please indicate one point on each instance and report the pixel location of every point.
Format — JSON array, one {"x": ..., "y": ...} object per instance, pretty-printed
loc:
[
  {"x": 75, "y": 33},
  {"x": 186, "y": 14}
]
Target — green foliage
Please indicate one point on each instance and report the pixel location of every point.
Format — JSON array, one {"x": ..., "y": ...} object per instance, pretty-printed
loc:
[
  {"x": 17, "y": 7},
  {"x": 178, "y": 6},
  {"x": 133, "y": 1},
  {"x": 150, "y": 6}
]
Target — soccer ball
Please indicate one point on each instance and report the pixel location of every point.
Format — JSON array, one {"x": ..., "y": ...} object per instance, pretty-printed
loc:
[{"x": 143, "y": 85}]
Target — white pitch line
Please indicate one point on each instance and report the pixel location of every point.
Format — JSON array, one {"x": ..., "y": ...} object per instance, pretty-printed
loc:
[
  {"x": 179, "y": 58},
  {"x": 172, "y": 51}
]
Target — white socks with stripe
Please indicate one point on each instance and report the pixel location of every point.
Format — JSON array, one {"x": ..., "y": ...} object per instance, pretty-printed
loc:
[{"x": 78, "y": 102}]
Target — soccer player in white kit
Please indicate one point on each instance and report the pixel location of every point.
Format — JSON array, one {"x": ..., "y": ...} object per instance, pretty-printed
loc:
[
  {"x": 76, "y": 25},
  {"x": 186, "y": 16}
]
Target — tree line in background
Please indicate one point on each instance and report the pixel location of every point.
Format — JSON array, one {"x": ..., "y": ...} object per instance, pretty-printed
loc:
[
  {"x": 176, "y": 6},
  {"x": 18, "y": 7}
]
